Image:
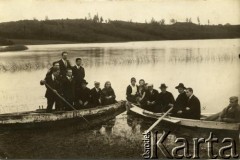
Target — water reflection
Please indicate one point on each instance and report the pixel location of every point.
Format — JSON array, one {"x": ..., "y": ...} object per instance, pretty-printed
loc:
[{"x": 41, "y": 57}]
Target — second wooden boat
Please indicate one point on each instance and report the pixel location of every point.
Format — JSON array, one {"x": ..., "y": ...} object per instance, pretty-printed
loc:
[
  {"x": 196, "y": 126},
  {"x": 41, "y": 119}
]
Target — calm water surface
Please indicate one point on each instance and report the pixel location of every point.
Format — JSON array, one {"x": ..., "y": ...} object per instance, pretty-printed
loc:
[{"x": 210, "y": 67}]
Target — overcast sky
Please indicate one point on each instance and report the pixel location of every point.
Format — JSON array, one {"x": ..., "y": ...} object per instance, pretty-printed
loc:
[{"x": 217, "y": 11}]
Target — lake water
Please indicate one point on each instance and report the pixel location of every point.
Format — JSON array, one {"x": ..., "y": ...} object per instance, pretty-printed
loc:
[{"x": 210, "y": 67}]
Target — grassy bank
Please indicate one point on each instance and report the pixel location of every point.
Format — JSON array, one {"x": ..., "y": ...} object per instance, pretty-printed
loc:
[{"x": 87, "y": 31}]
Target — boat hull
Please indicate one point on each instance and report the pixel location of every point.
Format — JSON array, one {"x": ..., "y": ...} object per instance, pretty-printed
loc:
[
  {"x": 38, "y": 119},
  {"x": 187, "y": 127}
]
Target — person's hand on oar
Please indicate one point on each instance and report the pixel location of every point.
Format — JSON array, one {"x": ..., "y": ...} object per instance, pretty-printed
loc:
[
  {"x": 42, "y": 82},
  {"x": 63, "y": 99}
]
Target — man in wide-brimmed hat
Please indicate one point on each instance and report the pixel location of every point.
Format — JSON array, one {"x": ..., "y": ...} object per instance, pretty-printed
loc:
[
  {"x": 181, "y": 101},
  {"x": 83, "y": 98},
  {"x": 229, "y": 114},
  {"x": 165, "y": 98}
]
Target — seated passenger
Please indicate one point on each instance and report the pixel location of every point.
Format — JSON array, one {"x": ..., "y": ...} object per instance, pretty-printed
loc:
[
  {"x": 132, "y": 91},
  {"x": 141, "y": 100},
  {"x": 229, "y": 114},
  {"x": 193, "y": 107},
  {"x": 83, "y": 97},
  {"x": 95, "y": 95},
  {"x": 181, "y": 101},
  {"x": 165, "y": 98},
  {"x": 151, "y": 99},
  {"x": 108, "y": 94}
]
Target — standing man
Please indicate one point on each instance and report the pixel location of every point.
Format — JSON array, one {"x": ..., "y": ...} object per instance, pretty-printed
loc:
[
  {"x": 51, "y": 93},
  {"x": 68, "y": 88},
  {"x": 78, "y": 74},
  {"x": 165, "y": 98},
  {"x": 152, "y": 96},
  {"x": 181, "y": 101},
  {"x": 64, "y": 64},
  {"x": 96, "y": 94},
  {"x": 193, "y": 108}
]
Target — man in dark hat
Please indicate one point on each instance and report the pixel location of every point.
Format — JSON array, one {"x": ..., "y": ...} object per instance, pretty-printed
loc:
[
  {"x": 229, "y": 114},
  {"x": 132, "y": 91},
  {"x": 54, "y": 82},
  {"x": 181, "y": 101},
  {"x": 64, "y": 64},
  {"x": 193, "y": 107},
  {"x": 96, "y": 95},
  {"x": 165, "y": 98},
  {"x": 83, "y": 97}
]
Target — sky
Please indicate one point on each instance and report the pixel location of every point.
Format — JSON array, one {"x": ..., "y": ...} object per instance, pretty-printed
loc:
[{"x": 217, "y": 11}]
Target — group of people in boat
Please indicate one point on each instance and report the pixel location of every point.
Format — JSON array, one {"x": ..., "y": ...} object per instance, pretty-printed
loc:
[
  {"x": 186, "y": 105},
  {"x": 66, "y": 83}
]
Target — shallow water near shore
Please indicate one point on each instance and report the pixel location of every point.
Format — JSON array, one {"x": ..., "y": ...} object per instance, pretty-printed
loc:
[{"x": 210, "y": 67}]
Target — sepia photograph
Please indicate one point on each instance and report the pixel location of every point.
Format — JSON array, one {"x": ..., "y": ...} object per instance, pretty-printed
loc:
[{"x": 119, "y": 79}]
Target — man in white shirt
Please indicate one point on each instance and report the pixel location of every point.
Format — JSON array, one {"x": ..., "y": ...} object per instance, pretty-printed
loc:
[{"x": 132, "y": 91}]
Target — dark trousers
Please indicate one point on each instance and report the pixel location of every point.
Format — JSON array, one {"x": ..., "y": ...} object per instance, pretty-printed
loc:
[
  {"x": 50, "y": 103},
  {"x": 132, "y": 98},
  {"x": 108, "y": 101},
  {"x": 151, "y": 108}
]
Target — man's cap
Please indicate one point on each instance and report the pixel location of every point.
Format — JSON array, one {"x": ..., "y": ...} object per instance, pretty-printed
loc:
[
  {"x": 150, "y": 85},
  {"x": 54, "y": 63},
  {"x": 163, "y": 85},
  {"x": 133, "y": 79},
  {"x": 180, "y": 85},
  {"x": 95, "y": 82},
  {"x": 84, "y": 82},
  {"x": 234, "y": 98}
]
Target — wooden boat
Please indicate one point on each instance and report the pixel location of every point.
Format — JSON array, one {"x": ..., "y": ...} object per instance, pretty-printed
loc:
[
  {"x": 197, "y": 126},
  {"x": 41, "y": 119}
]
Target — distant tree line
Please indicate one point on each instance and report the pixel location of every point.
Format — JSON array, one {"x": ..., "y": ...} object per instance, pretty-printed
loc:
[{"x": 97, "y": 29}]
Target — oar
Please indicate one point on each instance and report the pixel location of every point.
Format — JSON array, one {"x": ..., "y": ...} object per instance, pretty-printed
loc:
[
  {"x": 64, "y": 100},
  {"x": 159, "y": 120}
]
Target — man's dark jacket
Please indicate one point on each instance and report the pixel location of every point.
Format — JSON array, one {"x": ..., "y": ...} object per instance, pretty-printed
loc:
[
  {"x": 63, "y": 68},
  {"x": 78, "y": 75},
  {"x": 54, "y": 84},
  {"x": 195, "y": 108}
]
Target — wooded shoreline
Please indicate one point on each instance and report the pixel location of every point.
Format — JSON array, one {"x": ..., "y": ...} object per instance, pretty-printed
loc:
[{"x": 30, "y": 32}]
